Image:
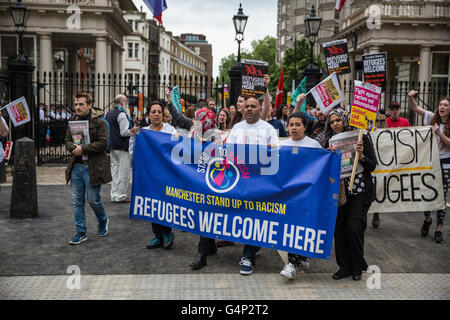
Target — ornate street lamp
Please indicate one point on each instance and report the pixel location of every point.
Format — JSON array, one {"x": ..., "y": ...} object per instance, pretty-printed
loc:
[
  {"x": 239, "y": 21},
  {"x": 313, "y": 74},
  {"x": 20, "y": 15}
]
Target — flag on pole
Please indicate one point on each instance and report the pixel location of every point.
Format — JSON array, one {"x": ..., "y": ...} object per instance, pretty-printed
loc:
[
  {"x": 279, "y": 96},
  {"x": 300, "y": 89},
  {"x": 156, "y": 7},
  {"x": 339, "y": 4}
]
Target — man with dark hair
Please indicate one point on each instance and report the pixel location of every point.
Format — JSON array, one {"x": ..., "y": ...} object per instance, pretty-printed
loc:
[
  {"x": 253, "y": 130},
  {"x": 211, "y": 104},
  {"x": 88, "y": 167},
  {"x": 119, "y": 127}
]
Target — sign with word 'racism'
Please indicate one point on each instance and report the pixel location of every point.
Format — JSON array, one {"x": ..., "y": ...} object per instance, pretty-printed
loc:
[{"x": 408, "y": 175}]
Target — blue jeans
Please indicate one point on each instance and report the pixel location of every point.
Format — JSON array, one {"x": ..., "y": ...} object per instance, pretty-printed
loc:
[{"x": 79, "y": 186}]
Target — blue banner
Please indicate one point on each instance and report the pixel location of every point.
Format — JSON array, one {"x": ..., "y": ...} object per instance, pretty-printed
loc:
[{"x": 282, "y": 198}]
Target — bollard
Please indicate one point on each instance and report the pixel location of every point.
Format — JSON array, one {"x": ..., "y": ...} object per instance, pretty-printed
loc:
[{"x": 24, "y": 188}]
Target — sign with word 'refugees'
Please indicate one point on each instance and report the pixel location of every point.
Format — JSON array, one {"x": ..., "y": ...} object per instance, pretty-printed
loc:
[
  {"x": 374, "y": 67},
  {"x": 253, "y": 78},
  {"x": 336, "y": 56}
]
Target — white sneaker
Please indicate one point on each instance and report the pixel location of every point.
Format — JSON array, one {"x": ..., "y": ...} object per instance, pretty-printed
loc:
[{"x": 288, "y": 271}]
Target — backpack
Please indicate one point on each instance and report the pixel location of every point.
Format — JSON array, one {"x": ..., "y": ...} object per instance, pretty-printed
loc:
[{"x": 107, "y": 123}]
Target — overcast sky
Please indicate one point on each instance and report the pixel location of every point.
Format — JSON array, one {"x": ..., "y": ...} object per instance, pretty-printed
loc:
[{"x": 213, "y": 18}]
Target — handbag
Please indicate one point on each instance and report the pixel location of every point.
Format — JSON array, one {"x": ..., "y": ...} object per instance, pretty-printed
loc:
[{"x": 342, "y": 194}]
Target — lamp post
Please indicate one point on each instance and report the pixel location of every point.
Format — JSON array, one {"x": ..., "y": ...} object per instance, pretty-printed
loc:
[
  {"x": 239, "y": 21},
  {"x": 20, "y": 71},
  {"x": 20, "y": 15},
  {"x": 313, "y": 74}
]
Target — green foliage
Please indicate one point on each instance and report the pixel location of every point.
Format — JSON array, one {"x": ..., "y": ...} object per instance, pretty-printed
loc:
[{"x": 265, "y": 50}]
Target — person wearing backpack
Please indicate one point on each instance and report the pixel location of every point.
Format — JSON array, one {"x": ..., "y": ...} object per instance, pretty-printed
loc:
[{"x": 119, "y": 126}]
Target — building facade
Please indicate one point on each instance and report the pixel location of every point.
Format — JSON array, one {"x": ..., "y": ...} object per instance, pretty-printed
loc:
[
  {"x": 199, "y": 44},
  {"x": 57, "y": 30},
  {"x": 414, "y": 34},
  {"x": 137, "y": 43}
]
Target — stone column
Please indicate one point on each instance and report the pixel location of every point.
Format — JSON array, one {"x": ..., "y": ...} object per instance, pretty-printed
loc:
[
  {"x": 424, "y": 67},
  {"x": 72, "y": 71},
  {"x": 101, "y": 68},
  {"x": 45, "y": 65},
  {"x": 424, "y": 76},
  {"x": 374, "y": 49}
]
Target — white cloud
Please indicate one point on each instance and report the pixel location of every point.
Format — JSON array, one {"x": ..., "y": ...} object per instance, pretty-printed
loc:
[{"x": 213, "y": 18}]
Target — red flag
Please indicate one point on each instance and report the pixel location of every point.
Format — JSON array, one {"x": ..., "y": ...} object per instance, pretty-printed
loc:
[
  {"x": 339, "y": 4},
  {"x": 279, "y": 96}
]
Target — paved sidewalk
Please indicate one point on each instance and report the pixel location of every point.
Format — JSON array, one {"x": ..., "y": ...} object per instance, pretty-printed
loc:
[
  {"x": 35, "y": 255},
  {"x": 307, "y": 286}
]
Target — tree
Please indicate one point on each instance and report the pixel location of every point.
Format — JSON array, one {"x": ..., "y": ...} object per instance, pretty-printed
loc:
[{"x": 303, "y": 52}]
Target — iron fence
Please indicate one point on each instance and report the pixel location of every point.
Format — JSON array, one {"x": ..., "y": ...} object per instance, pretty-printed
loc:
[{"x": 53, "y": 94}]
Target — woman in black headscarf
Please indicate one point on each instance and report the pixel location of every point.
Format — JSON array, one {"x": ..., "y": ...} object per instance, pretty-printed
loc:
[{"x": 351, "y": 218}]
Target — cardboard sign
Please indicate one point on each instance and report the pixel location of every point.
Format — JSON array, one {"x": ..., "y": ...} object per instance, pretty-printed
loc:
[
  {"x": 328, "y": 93},
  {"x": 408, "y": 175},
  {"x": 365, "y": 104},
  {"x": 346, "y": 142},
  {"x": 374, "y": 67},
  {"x": 336, "y": 56},
  {"x": 253, "y": 78},
  {"x": 18, "y": 111}
]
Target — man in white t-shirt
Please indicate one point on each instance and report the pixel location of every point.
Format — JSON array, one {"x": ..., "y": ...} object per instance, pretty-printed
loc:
[{"x": 252, "y": 131}]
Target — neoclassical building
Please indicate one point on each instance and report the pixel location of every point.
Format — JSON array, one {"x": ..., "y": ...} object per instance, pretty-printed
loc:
[{"x": 58, "y": 29}]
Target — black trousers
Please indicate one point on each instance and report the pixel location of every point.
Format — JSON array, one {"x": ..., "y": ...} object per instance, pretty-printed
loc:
[
  {"x": 206, "y": 245},
  {"x": 159, "y": 230},
  {"x": 351, "y": 223}
]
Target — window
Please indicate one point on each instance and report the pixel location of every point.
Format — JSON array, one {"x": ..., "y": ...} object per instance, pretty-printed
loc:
[
  {"x": 136, "y": 50},
  {"x": 440, "y": 74},
  {"x": 130, "y": 50},
  {"x": 197, "y": 50}
]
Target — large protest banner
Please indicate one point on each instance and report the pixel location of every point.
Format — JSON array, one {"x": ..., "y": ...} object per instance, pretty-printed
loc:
[
  {"x": 366, "y": 98},
  {"x": 253, "y": 78},
  {"x": 374, "y": 68},
  {"x": 336, "y": 56},
  {"x": 408, "y": 175},
  {"x": 228, "y": 193}
]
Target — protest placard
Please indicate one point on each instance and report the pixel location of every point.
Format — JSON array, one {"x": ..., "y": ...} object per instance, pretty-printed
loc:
[
  {"x": 345, "y": 142},
  {"x": 79, "y": 130},
  {"x": 176, "y": 97},
  {"x": 366, "y": 98},
  {"x": 253, "y": 78},
  {"x": 18, "y": 111},
  {"x": 408, "y": 174},
  {"x": 211, "y": 191},
  {"x": 336, "y": 56},
  {"x": 374, "y": 68},
  {"x": 328, "y": 93}
]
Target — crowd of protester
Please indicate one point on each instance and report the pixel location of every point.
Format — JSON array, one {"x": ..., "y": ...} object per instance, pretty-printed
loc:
[{"x": 311, "y": 129}]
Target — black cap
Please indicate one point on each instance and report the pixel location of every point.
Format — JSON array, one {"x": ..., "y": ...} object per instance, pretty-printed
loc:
[{"x": 394, "y": 105}]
